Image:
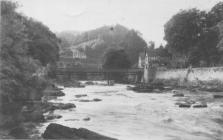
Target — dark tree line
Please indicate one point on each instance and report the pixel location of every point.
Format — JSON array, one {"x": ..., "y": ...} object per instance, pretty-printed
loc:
[
  {"x": 27, "y": 47},
  {"x": 196, "y": 36}
]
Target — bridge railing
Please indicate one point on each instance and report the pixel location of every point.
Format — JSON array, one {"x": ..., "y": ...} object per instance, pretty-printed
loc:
[{"x": 75, "y": 70}]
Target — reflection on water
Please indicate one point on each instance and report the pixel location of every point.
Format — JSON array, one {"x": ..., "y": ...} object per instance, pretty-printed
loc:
[{"x": 127, "y": 115}]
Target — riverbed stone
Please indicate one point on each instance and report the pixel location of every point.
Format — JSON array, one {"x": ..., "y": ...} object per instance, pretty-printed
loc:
[
  {"x": 74, "y": 84},
  {"x": 87, "y": 119},
  {"x": 184, "y": 105},
  {"x": 175, "y": 91},
  {"x": 178, "y": 95},
  {"x": 53, "y": 106},
  {"x": 200, "y": 105},
  {"x": 64, "y": 106},
  {"x": 80, "y": 95},
  {"x": 211, "y": 88},
  {"x": 57, "y": 131},
  {"x": 216, "y": 96},
  {"x": 52, "y": 116},
  {"x": 89, "y": 83},
  {"x": 53, "y": 92},
  {"x": 84, "y": 100},
  {"x": 97, "y": 100}
]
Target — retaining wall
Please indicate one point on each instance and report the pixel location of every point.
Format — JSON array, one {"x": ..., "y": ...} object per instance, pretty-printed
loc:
[{"x": 202, "y": 74}]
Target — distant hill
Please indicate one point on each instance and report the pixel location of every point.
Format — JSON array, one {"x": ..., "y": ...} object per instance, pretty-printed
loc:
[
  {"x": 95, "y": 43},
  {"x": 68, "y": 35}
]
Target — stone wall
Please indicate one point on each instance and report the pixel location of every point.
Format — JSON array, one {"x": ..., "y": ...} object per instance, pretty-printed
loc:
[{"x": 195, "y": 74}]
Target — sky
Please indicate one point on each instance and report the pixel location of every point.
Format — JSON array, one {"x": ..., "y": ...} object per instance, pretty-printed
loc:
[{"x": 146, "y": 16}]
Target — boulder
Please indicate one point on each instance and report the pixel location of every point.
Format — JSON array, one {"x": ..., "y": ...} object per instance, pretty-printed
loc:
[
  {"x": 57, "y": 131},
  {"x": 89, "y": 83},
  {"x": 175, "y": 91},
  {"x": 142, "y": 88},
  {"x": 53, "y": 106},
  {"x": 80, "y": 95},
  {"x": 74, "y": 84},
  {"x": 64, "y": 106},
  {"x": 184, "y": 105},
  {"x": 200, "y": 105},
  {"x": 167, "y": 88},
  {"x": 87, "y": 119},
  {"x": 71, "y": 120},
  {"x": 86, "y": 134},
  {"x": 217, "y": 96},
  {"x": 212, "y": 88},
  {"x": 167, "y": 120},
  {"x": 94, "y": 100},
  {"x": 84, "y": 100},
  {"x": 53, "y": 92},
  {"x": 59, "y": 93},
  {"x": 97, "y": 100},
  {"x": 52, "y": 116},
  {"x": 178, "y": 95}
]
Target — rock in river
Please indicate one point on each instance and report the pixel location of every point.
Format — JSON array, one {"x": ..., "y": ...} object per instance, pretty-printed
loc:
[
  {"x": 89, "y": 83},
  {"x": 97, "y": 100},
  {"x": 80, "y": 95},
  {"x": 218, "y": 96},
  {"x": 94, "y": 100},
  {"x": 200, "y": 105},
  {"x": 53, "y": 92},
  {"x": 64, "y": 106},
  {"x": 178, "y": 95},
  {"x": 57, "y": 131},
  {"x": 184, "y": 105},
  {"x": 86, "y": 119},
  {"x": 52, "y": 116},
  {"x": 53, "y": 106},
  {"x": 84, "y": 100}
]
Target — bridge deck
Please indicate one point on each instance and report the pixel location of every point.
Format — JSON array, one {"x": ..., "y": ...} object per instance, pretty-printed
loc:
[{"x": 65, "y": 70}]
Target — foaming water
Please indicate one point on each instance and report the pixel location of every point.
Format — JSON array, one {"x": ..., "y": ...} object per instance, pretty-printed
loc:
[{"x": 127, "y": 115}]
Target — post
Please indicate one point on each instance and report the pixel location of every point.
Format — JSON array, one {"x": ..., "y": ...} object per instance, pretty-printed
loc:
[{"x": 146, "y": 68}]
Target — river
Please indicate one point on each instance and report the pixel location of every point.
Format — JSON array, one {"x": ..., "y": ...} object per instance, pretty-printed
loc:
[{"x": 126, "y": 115}]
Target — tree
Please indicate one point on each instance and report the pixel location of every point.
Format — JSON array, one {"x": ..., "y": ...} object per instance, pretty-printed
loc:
[
  {"x": 151, "y": 45},
  {"x": 19, "y": 59},
  {"x": 133, "y": 44},
  {"x": 205, "y": 53},
  {"x": 43, "y": 44},
  {"x": 216, "y": 14},
  {"x": 196, "y": 35},
  {"x": 116, "y": 59},
  {"x": 183, "y": 31}
]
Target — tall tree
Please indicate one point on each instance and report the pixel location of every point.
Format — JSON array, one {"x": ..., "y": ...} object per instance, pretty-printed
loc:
[
  {"x": 183, "y": 31},
  {"x": 116, "y": 59}
]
